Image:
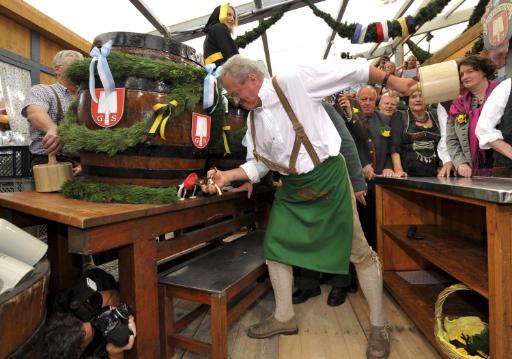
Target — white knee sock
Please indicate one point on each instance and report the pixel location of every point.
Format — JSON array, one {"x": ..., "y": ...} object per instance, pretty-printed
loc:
[
  {"x": 281, "y": 277},
  {"x": 370, "y": 281}
]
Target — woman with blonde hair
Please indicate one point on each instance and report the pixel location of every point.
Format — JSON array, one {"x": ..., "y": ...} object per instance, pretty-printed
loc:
[{"x": 219, "y": 45}]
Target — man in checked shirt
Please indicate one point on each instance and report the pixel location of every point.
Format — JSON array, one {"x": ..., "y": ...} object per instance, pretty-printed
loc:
[{"x": 45, "y": 107}]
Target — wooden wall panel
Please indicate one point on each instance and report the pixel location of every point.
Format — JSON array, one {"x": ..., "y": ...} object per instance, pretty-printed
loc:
[
  {"x": 458, "y": 47},
  {"x": 48, "y": 50},
  {"x": 46, "y": 79},
  {"x": 28, "y": 16},
  {"x": 18, "y": 40}
]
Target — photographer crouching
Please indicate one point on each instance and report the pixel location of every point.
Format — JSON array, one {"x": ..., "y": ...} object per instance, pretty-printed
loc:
[{"x": 89, "y": 321}]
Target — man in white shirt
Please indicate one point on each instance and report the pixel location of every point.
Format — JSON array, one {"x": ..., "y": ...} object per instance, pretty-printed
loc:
[
  {"x": 312, "y": 220},
  {"x": 494, "y": 128}
]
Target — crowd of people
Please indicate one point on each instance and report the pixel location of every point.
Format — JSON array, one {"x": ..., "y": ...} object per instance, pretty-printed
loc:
[{"x": 328, "y": 155}]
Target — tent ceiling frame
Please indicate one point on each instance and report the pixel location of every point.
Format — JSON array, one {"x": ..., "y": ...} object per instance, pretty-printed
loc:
[
  {"x": 247, "y": 13},
  {"x": 150, "y": 16},
  {"x": 341, "y": 12}
]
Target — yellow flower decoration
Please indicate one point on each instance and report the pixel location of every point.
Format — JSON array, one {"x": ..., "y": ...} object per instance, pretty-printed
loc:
[
  {"x": 355, "y": 110},
  {"x": 385, "y": 131},
  {"x": 462, "y": 351},
  {"x": 462, "y": 119}
]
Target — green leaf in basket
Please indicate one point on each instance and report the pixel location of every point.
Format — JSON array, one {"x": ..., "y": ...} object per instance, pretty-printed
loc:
[{"x": 476, "y": 345}]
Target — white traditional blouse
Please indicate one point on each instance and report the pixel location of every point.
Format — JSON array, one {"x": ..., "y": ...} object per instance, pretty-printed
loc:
[
  {"x": 442, "y": 149},
  {"x": 491, "y": 114}
]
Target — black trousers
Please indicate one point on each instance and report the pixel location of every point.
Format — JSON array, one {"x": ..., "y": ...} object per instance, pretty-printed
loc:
[
  {"x": 368, "y": 217},
  {"x": 308, "y": 279}
]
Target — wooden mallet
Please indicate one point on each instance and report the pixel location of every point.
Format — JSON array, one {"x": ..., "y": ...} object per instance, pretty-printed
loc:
[{"x": 50, "y": 177}]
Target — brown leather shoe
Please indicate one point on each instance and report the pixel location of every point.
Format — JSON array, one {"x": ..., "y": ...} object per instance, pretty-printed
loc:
[
  {"x": 378, "y": 344},
  {"x": 271, "y": 326}
]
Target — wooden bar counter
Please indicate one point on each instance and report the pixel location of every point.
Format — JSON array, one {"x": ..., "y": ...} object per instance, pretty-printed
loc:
[
  {"x": 466, "y": 225},
  {"x": 79, "y": 227}
]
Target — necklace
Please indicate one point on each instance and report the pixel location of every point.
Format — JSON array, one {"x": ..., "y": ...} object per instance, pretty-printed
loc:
[{"x": 422, "y": 120}]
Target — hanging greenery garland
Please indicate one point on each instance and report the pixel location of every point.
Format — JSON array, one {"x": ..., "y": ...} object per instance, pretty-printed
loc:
[
  {"x": 477, "y": 14},
  {"x": 87, "y": 190},
  {"x": 477, "y": 48},
  {"x": 188, "y": 83},
  {"x": 245, "y": 39},
  {"x": 420, "y": 54},
  {"x": 345, "y": 30},
  {"x": 78, "y": 137},
  {"x": 123, "y": 65}
]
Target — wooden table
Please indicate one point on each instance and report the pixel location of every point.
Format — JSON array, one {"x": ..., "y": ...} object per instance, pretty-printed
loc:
[
  {"x": 79, "y": 227},
  {"x": 466, "y": 225}
]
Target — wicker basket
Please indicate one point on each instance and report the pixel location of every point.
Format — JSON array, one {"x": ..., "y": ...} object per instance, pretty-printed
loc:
[{"x": 473, "y": 325}]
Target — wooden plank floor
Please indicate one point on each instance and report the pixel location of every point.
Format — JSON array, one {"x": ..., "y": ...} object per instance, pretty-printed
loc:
[{"x": 324, "y": 332}]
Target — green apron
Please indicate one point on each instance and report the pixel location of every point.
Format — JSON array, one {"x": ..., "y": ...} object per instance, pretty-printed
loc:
[{"x": 311, "y": 223}]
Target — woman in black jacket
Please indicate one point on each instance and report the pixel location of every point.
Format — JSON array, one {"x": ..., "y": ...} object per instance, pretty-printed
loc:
[{"x": 219, "y": 46}]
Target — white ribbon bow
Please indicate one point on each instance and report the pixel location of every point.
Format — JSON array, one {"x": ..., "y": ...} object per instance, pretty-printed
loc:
[
  {"x": 210, "y": 87},
  {"x": 100, "y": 56}
]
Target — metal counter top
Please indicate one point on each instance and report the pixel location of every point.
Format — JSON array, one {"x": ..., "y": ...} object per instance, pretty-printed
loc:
[{"x": 491, "y": 189}]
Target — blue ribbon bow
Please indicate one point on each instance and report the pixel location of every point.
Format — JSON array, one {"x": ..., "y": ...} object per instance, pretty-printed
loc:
[
  {"x": 100, "y": 56},
  {"x": 210, "y": 87}
]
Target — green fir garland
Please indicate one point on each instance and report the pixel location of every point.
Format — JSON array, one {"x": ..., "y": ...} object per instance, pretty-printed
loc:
[
  {"x": 188, "y": 90},
  {"x": 87, "y": 190},
  {"x": 477, "y": 48},
  {"x": 245, "y": 39},
  {"x": 123, "y": 65},
  {"x": 477, "y": 14},
  {"x": 78, "y": 137},
  {"x": 345, "y": 30},
  {"x": 420, "y": 54}
]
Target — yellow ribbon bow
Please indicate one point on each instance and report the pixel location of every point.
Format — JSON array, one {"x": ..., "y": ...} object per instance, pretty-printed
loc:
[
  {"x": 225, "y": 139},
  {"x": 162, "y": 113}
]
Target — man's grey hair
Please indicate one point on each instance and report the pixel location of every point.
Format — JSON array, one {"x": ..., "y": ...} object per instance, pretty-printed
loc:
[
  {"x": 367, "y": 87},
  {"x": 239, "y": 68},
  {"x": 58, "y": 59}
]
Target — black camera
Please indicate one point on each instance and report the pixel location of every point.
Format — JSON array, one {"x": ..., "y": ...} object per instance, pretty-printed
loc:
[
  {"x": 84, "y": 300},
  {"x": 112, "y": 323}
]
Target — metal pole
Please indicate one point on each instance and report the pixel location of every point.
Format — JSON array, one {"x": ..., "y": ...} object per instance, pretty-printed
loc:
[
  {"x": 259, "y": 5},
  {"x": 333, "y": 33},
  {"x": 148, "y": 14}
]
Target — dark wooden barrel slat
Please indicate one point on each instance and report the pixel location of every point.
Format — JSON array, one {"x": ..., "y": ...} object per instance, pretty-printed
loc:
[
  {"x": 138, "y": 181},
  {"x": 225, "y": 164},
  {"x": 23, "y": 309},
  {"x": 149, "y": 45},
  {"x": 139, "y": 162},
  {"x": 33, "y": 348}
]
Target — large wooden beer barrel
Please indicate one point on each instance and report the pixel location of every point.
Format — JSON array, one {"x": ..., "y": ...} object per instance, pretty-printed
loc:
[
  {"x": 22, "y": 315},
  {"x": 157, "y": 162}
]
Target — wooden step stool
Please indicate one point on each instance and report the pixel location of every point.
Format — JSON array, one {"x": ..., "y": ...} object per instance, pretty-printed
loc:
[{"x": 212, "y": 279}]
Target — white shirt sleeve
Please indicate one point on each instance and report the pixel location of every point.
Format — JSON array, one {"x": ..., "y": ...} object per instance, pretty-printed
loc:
[
  {"x": 255, "y": 170},
  {"x": 491, "y": 114},
  {"x": 442, "y": 149},
  {"x": 333, "y": 75}
]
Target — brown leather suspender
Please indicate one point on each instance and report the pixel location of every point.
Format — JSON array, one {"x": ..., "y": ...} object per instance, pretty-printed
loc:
[
  {"x": 300, "y": 137},
  {"x": 60, "y": 112}
]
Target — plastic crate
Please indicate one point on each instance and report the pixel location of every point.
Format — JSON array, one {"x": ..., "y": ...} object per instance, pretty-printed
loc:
[
  {"x": 14, "y": 161},
  {"x": 16, "y": 184},
  {"x": 39, "y": 231}
]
